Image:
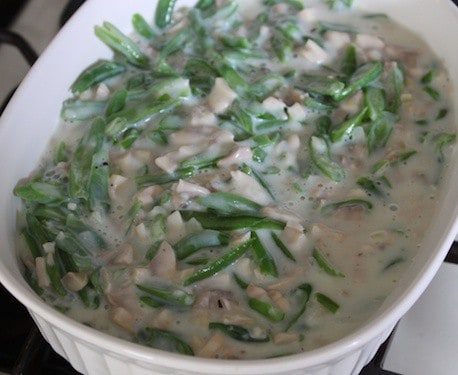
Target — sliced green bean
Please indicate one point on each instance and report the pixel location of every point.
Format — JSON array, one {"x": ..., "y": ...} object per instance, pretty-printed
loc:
[
  {"x": 327, "y": 302},
  {"x": 40, "y": 192},
  {"x": 97, "y": 73},
  {"x": 116, "y": 103},
  {"x": 163, "y": 340},
  {"x": 369, "y": 186},
  {"x": 380, "y": 131},
  {"x": 321, "y": 158},
  {"x": 82, "y": 110},
  {"x": 218, "y": 264},
  {"x": 163, "y": 178},
  {"x": 282, "y": 246},
  {"x": 305, "y": 293},
  {"x": 325, "y": 264},
  {"x": 114, "y": 38},
  {"x": 346, "y": 203},
  {"x": 346, "y": 128},
  {"x": 229, "y": 223},
  {"x": 240, "y": 282},
  {"x": 265, "y": 261},
  {"x": 375, "y": 102},
  {"x": 164, "y": 12},
  {"x": 142, "y": 27},
  {"x": 349, "y": 63},
  {"x": 170, "y": 295},
  {"x": 362, "y": 77},
  {"x": 200, "y": 240},
  {"x": 266, "y": 309},
  {"x": 321, "y": 85},
  {"x": 229, "y": 204},
  {"x": 237, "y": 332}
]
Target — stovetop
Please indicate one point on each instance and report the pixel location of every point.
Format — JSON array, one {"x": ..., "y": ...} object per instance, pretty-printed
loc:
[{"x": 416, "y": 346}]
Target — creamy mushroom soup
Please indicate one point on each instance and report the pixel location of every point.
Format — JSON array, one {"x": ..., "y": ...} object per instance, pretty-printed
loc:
[{"x": 239, "y": 183}]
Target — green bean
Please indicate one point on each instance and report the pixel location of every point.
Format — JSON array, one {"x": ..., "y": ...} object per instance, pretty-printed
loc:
[
  {"x": 281, "y": 46},
  {"x": 177, "y": 43},
  {"x": 240, "y": 282},
  {"x": 228, "y": 204},
  {"x": 163, "y": 178},
  {"x": 306, "y": 290},
  {"x": 235, "y": 81},
  {"x": 116, "y": 103},
  {"x": 81, "y": 110},
  {"x": 282, "y": 246},
  {"x": 393, "y": 262},
  {"x": 236, "y": 332},
  {"x": 428, "y": 77},
  {"x": 369, "y": 186},
  {"x": 349, "y": 63},
  {"x": 264, "y": 259},
  {"x": 218, "y": 264},
  {"x": 170, "y": 295},
  {"x": 339, "y": 3},
  {"x": 163, "y": 340},
  {"x": 362, "y": 77},
  {"x": 323, "y": 27},
  {"x": 55, "y": 277},
  {"x": 80, "y": 255},
  {"x": 200, "y": 240},
  {"x": 441, "y": 140},
  {"x": 97, "y": 73},
  {"x": 114, "y": 38},
  {"x": 133, "y": 214},
  {"x": 346, "y": 128},
  {"x": 327, "y": 302},
  {"x": 346, "y": 203},
  {"x": 164, "y": 12},
  {"x": 129, "y": 137},
  {"x": 317, "y": 102},
  {"x": 321, "y": 158},
  {"x": 123, "y": 120},
  {"x": 229, "y": 223},
  {"x": 151, "y": 302},
  {"x": 204, "y": 4},
  {"x": 34, "y": 246},
  {"x": 394, "y": 87},
  {"x": 376, "y": 16},
  {"x": 380, "y": 130},
  {"x": 201, "y": 75},
  {"x": 266, "y": 309},
  {"x": 433, "y": 93},
  {"x": 321, "y": 85},
  {"x": 375, "y": 102},
  {"x": 325, "y": 265},
  {"x": 40, "y": 192},
  {"x": 201, "y": 161},
  {"x": 441, "y": 114},
  {"x": 98, "y": 180},
  {"x": 81, "y": 165},
  {"x": 142, "y": 27}
]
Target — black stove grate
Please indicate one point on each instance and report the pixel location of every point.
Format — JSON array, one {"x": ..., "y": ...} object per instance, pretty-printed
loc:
[{"x": 23, "y": 351}]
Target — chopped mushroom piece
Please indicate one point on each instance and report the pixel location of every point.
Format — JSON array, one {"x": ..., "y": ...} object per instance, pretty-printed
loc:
[
  {"x": 281, "y": 214},
  {"x": 125, "y": 255},
  {"x": 337, "y": 39},
  {"x": 247, "y": 186},
  {"x": 175, "y": 227},
  {"x": 212, "y": 346},
  {"x": 163, "y": 265},
  {"x": 254, "y": 291},
  {"x": 236, "y": 157},
  {"x": 221, "y": 96},
  {"x": 279, "y": 300},
  {"x": 313, "y": 52},
  {"x": 123, "y": 318},
  {"x": 368, "y": 41},
  {"x": 150, "y": 194},
  {"x": 285, "y": 338},
  {"x": 75, "y": 281},
  {"x": 192, "y": 190},
  {"x": 42, "y": 274}
]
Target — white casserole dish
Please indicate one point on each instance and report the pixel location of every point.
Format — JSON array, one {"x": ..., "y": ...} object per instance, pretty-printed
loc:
[{"x": 31, "y": 118}]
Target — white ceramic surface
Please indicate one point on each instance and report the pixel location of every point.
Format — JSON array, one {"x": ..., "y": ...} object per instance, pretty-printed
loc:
[{"x": 31, "y": 118}]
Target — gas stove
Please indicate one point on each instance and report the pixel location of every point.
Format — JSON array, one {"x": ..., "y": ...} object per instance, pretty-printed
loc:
[{"x": 423, "y": 343}]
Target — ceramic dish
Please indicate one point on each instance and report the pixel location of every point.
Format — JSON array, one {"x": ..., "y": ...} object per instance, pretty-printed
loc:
[{"x": 32, "y": 117}]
